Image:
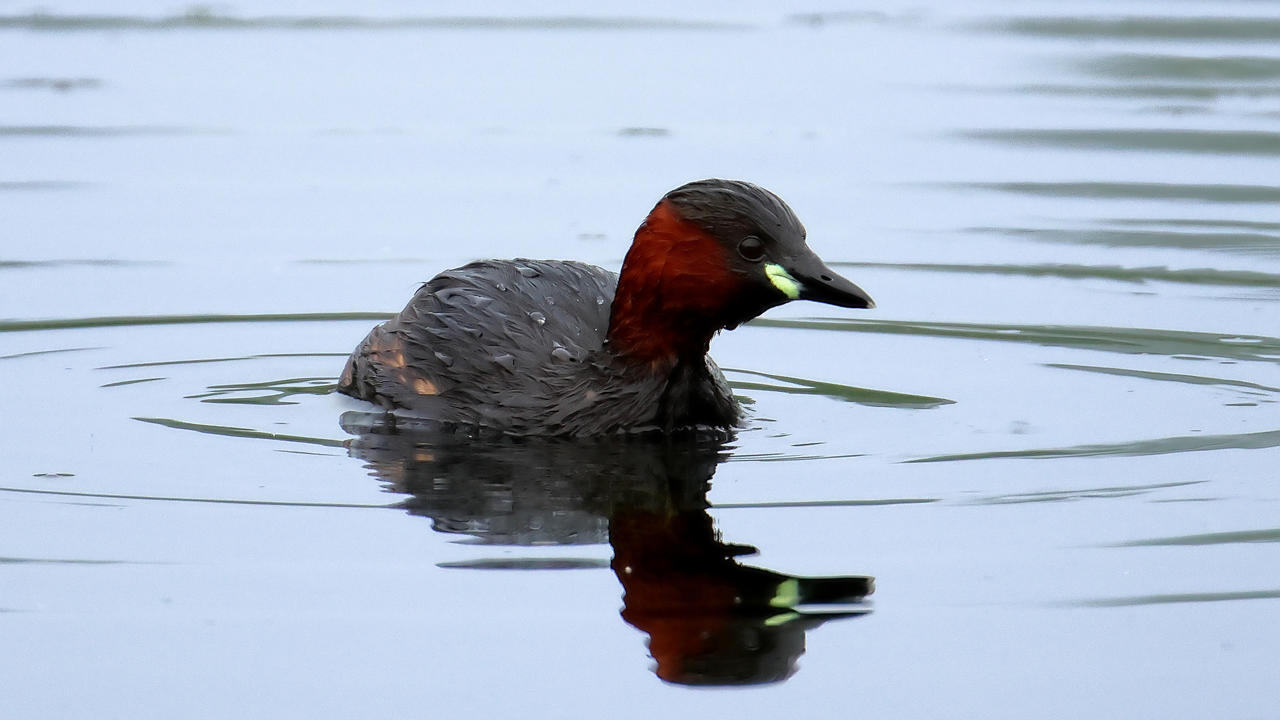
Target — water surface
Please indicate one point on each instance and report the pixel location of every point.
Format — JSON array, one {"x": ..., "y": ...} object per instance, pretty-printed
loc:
[{"x": 1053, "y": 445}]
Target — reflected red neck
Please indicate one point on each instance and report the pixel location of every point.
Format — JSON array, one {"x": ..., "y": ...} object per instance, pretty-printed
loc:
[{"x": 673, "y": 287}]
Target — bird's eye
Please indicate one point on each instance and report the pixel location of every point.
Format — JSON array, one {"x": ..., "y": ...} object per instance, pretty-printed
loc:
[{"x": 751, "y": 248}]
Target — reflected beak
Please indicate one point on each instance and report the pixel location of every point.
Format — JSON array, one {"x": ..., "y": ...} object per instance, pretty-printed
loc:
[{"x": 808, "y": 278}]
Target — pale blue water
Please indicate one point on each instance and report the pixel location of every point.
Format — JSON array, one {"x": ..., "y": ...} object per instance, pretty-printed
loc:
[{"x": 1053, "y": 444}]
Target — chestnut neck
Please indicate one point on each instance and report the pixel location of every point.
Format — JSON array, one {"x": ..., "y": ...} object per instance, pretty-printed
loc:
[{"x": 672, "y": 291}]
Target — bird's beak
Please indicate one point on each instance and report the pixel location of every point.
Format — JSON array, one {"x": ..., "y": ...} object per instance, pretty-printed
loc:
[{"x": 807, "y": 277}]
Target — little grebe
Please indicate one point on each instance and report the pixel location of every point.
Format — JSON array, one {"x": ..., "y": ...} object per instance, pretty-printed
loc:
[{"x": 550, "y": 347}]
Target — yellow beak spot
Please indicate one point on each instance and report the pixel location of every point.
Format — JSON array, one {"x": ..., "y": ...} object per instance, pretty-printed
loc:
[{"x": 782, "y": 280}]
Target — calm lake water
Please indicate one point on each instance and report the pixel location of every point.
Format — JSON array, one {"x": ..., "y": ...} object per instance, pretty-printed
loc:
[{"x": 1054, "y": 445}]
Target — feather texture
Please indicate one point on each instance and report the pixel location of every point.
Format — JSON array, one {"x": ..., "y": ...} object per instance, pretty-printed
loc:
[{"x": 519, "y": 347}]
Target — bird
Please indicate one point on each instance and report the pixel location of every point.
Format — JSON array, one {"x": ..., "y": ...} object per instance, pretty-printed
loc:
[{"x": 562, "y": 348}]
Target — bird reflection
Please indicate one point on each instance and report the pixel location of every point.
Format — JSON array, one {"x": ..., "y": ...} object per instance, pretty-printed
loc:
[{"x": 710, "y": 619}]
